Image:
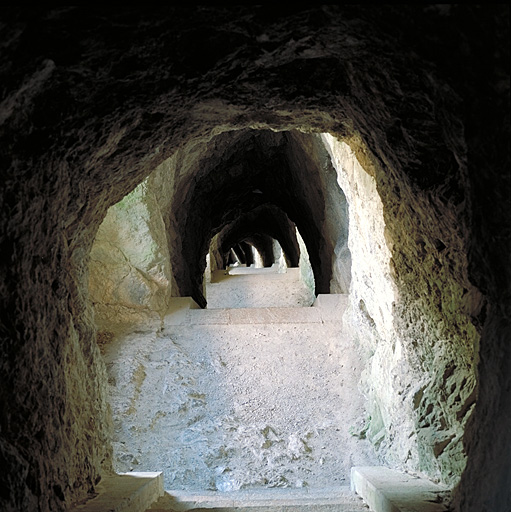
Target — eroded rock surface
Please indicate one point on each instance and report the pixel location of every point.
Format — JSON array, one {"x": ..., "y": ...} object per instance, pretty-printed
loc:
[
  {"x": 416, "y": 418},
  {"x": 93, "y": 100},
  {"x": 129, "y": 263}
]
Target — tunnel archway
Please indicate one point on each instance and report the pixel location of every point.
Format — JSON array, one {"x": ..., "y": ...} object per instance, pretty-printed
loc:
[
  {"x": 242, "y": 248},
  {"x": 274, "y": 221},
  {"x": 267, "y": 219},
  {"x": 246, "y": 170},
  {"x": 373, "y": 293},
  {"x": 78, "y": 136}
]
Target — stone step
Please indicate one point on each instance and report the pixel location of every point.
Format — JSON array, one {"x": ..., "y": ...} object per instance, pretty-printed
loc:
[
  {"x": 388, "y": 490},
  {"x": 326, "y": 308},
  {"x": 241, "y": 272},
  {"x": 255, "y": 316},
  {"x": 126, "y": 492},
  {"x": 339, "y": 499}
]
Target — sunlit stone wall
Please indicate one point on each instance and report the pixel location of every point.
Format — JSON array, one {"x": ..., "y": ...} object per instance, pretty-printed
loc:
[
  {"x": 129, "y": 264},
  {"x": 419, "y": 345}
]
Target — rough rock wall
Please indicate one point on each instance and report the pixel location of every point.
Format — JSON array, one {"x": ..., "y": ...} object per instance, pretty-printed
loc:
[
  {"x": 312, "y": 166},
  {"x": 54, "y": 441},
  {"x": 416, "y": 416},
  {"x": 129, "y": 263},
  {"x": 94, "y": 99},
  {"x": 306, "y": 273},
  {"x": 486, "y": 483}
]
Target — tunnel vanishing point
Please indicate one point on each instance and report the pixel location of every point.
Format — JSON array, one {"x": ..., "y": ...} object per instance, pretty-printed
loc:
[{"x": 242, "y": 122}]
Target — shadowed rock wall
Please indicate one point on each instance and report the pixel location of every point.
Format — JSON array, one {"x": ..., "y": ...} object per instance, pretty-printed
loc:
[
  {"x": 421, "y": 373},
  {"x": 93, "y": 100},
  {"x": 308, "y": 156}
]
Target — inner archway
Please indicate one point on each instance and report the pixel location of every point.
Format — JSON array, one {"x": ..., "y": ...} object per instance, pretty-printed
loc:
[
  {"x": 257, "y": 180},
  {"x": 254, "y": 202},
  {"x": 253, "y": 424}
]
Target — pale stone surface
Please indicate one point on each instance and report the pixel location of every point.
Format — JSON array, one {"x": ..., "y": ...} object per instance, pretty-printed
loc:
[
  {"x": 240, "y": 398},
  {"x": 329, "y": 499},
  {"x": 306, "y": 273},
  {"x": 130, "y": 265},
  {"x": 128, "y": 492},
  {"x": 253, "y": 288},
  {"x": 372, "y": 281},
  {"x": 387, "y": 490}
]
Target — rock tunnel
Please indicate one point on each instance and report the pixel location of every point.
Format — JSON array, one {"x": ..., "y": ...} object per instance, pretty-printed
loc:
[
  {"x": 261, "y": 181},
  {"x": 268, "y": 220},
  {"x": 233, "y": 122}
]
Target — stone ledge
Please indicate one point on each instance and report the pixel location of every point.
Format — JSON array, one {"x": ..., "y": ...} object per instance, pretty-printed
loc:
[
  {"x": 387, "y": 490},
  {"x": 177, "y": 312},
  {"x": 126, "y": 492},
  {"x": 332, "y": 499},
  {"x": 326, "y": 308},
  {"x": 247, "y": 316}
]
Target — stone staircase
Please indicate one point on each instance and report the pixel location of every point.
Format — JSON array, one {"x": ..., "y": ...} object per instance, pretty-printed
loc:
[
  {"x": 288, "y": 380},
  {"x": 248, "y": 287},
  {"x": 246, "y": 400},
  {"x": 378, "y": 489}
]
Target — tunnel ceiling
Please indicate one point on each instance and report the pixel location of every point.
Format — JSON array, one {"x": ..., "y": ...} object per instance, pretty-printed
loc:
[{"x": 252, "y": 182}]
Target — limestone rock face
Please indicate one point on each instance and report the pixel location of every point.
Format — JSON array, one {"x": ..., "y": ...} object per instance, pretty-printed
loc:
[
  {"x": 416, "y": 417},
  {"x": 94, "y": 100},
  {"x": 129, "y": 263}
]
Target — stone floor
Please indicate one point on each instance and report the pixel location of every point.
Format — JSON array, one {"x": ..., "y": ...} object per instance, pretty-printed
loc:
[
  {"x": 257, "y": 287},
  {"x": 231, "y": 399}
]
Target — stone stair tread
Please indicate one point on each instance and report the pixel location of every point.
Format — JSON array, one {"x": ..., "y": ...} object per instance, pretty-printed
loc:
[
  {"x": 255, "y": 316},
  {"x": 386, "y": 489},
  {"x": 264, "y": 272},
  {"x": 334, "y": 507},
  {"x": 261, "y": 500},
  {"x": 327, "y": 308},
  {"x": 125, "y": 492}
]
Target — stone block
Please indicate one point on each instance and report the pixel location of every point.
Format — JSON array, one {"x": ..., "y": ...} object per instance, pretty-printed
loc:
[
  {"x": 332, "y": 306},
  {"x": 126, "y": 492},
  {"x": 332, "y": 499},
  {"x": 209, "y": 316},
  {"x": 274, "y": 316},
  {"x": 387, "y": 490},
  {"x": 177, "y": 312}
]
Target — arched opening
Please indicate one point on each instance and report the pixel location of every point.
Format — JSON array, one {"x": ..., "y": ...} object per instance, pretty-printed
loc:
[
  {"x": 253, "y": 180},
  {"x": 292, "y": 440},
  {"x": 238, "y": 202},
  {"x": 314, "y": 182}
]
